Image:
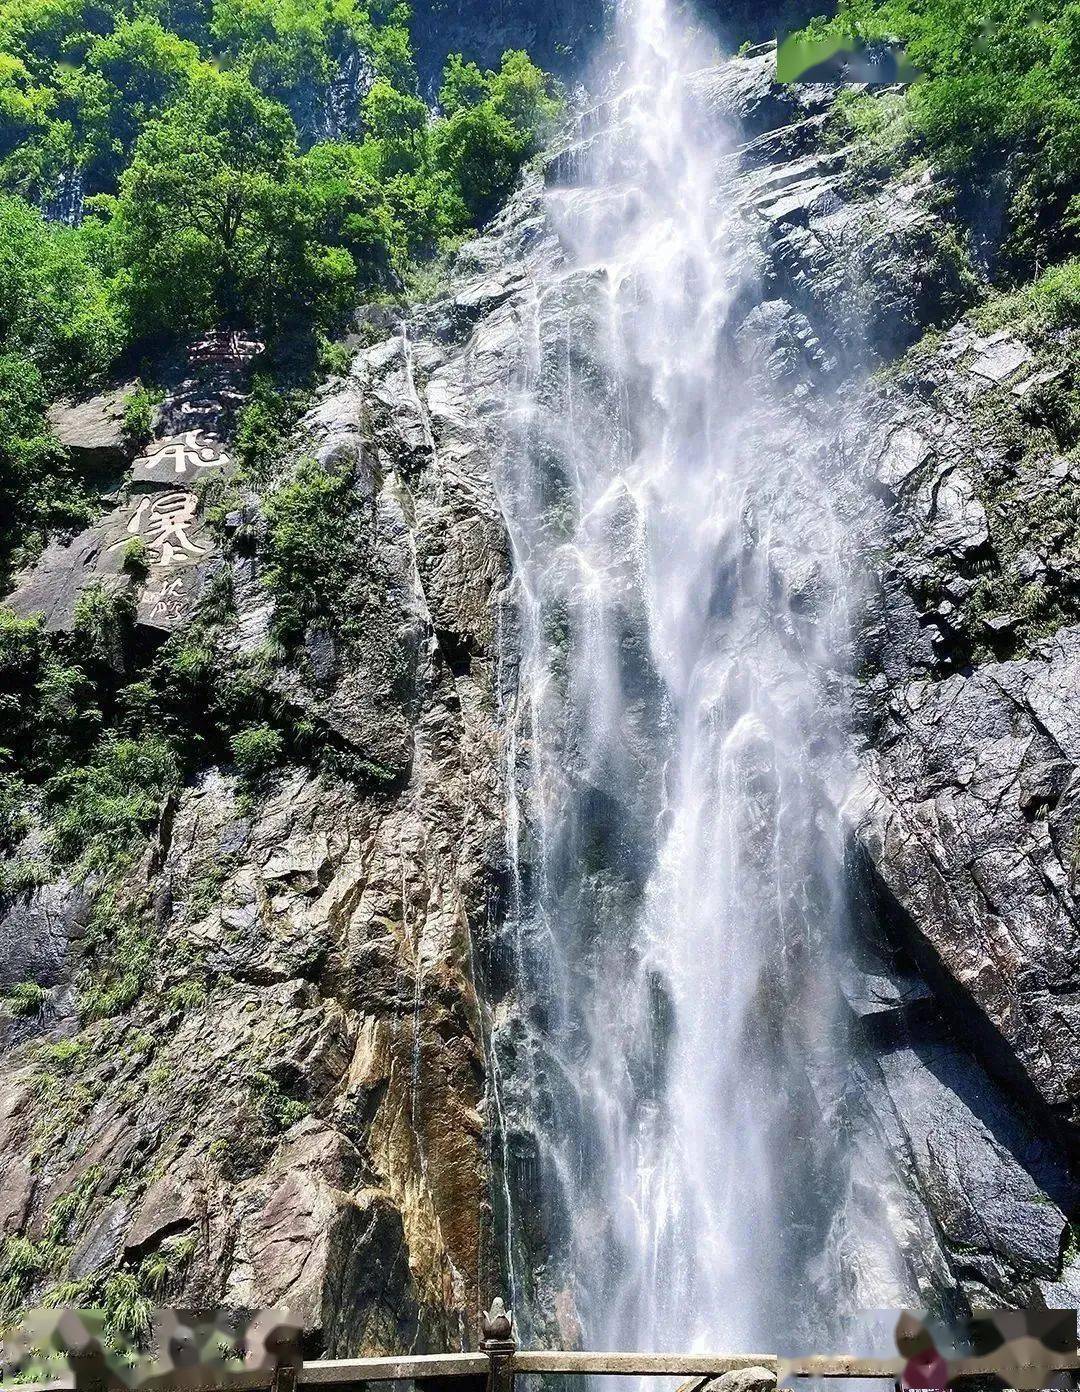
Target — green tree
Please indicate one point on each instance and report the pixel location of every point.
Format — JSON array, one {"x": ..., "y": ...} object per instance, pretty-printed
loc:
[
  {"x": 203, "y": 204},
  {"x": 494, "y": 123},
  {"x": 348, "y": 206},
  {"x": 58, "y": 306},
  {"x": 463, "y": 85},
  {"x": 398, "y": 123},
  {"x": 134, "y": 73},
  {"x": 999, "y": 91},
  {"x": 482, "y": 152}
]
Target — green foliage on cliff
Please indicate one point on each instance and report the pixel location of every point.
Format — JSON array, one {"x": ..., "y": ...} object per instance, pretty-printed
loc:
[
  {"x": 310, "y": 546},
  {"x": 252, "y": 160},
  {"x": 258, "y": 162},
  {"x": 999, "y": 95},
  {"x": 167, "y": 166},
  {"x": 59, "y": 326},
  {"x": 101, "y": 804}
]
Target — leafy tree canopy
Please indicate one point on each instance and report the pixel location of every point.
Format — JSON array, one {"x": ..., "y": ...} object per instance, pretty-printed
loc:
[{"x": 169, "y": 165}]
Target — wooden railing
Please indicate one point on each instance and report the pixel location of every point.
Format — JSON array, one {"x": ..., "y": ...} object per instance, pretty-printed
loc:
[{"x": 698, "y": 1368}]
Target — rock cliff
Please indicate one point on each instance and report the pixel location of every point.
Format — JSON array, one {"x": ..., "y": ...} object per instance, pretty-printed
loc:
[{"x": 291, "y": 1112}]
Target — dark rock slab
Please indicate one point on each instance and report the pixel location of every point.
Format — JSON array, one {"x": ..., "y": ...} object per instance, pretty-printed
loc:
[
  {"x": 53, "y": 587},
  {"x": 970, "y": 821},
  {"x": 36, "y": 930}
]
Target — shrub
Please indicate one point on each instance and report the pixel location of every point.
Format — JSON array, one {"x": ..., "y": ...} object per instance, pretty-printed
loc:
[
  {"x": 21, "y": 874},
  {"x": 1055, "y": 296},
  {"x": 265, "y": 423},
  {"x": 310, "y": 546},
  {"x": 27, "y": 998},
  {"x": 997, "y": 91},
  {"x": 139, "y": 417},
  {"x": 1050, "y": 302},
  {"x": 119, "y": 952},
  {"x": 275, "y": 1109},
  {"x": 135, "y": 557},
  {"x": 21, "y": 1263},
  {"x": 257, "y": 751},
  {"x": 162, "y": 1266},
  {"x": 127, "y": 1309},
  {"x": 102, "y": 622},
  {"x": 186, "y": 995},
  {"x": 99, "y": 808},
  {"x": 47, "y": 706},
  {"x": 14, "y": 819},
  {"x": 61, "y": 1058}
]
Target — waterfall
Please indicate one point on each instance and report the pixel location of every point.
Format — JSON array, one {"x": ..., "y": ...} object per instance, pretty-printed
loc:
[{"x": 689, "y": 1165}]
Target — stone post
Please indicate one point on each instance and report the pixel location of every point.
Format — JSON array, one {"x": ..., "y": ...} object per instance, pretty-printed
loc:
[{"x": 498, "y": 1342}]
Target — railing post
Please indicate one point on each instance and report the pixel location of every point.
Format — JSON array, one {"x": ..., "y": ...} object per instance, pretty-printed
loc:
[{"x": 498, "y": 1342}]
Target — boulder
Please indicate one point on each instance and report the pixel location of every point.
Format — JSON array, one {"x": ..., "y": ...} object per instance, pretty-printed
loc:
[
  {"x": 754, "y": 1379},
  {"x": 972, "y": 840},
  {"x": 92, "y": 430}
]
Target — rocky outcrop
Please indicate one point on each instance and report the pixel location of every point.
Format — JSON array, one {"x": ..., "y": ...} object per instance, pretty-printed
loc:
[
  {"x": 966, "y": 806},
  {"x": 969, "y": 811},
  {"x": 286, "y": 1104},
  {"x": 93, "y": 430},
  {"x": 151, "y": 544}
]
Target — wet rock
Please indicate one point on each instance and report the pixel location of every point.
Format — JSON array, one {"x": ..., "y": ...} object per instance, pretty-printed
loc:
[
  {"x": 966, "y": 807},
  {"x": 748, "y": 94},
  {"x": 101, "y": 1245},
  {"x": 16, "y": 1193},
  {"x": 53, "y": 588},
  {"x": 169, "y": 1205},
  {"x": 37, "y": 931}
]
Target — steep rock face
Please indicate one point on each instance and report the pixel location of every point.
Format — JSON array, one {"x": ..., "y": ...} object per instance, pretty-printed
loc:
[
  {"x": 967, "y": 801},
  {"x": 291, "y": 1112}
]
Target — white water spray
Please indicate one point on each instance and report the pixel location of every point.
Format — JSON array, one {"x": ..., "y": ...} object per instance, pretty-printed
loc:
[{"x": 681, "y": 1077}]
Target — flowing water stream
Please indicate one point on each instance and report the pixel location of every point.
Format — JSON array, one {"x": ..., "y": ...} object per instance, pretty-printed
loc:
[{"x": 682, "y": 1146}]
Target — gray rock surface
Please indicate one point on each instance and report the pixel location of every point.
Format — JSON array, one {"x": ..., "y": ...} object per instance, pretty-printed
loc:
[
  {"x": 92, "y": 430},
  {"x": 154, "y": 505},
  {"x": 966, "y": 801},
  {"x": 745, "y": 1380}
]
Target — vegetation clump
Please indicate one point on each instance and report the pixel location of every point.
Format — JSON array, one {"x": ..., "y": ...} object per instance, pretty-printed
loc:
[
  {"x": 997, "y": 95},
  {"x": 205, "y": 194}
]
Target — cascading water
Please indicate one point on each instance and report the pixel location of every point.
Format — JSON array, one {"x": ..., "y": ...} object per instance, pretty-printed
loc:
[{"x": 684, "y": 1153}]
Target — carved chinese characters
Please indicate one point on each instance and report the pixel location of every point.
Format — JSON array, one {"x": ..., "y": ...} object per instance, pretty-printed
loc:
[
  {"x": 177, "y": 461},
  {"x": 152, "y": 542},
  {"x": 162, "y": 511},
  {"x": 164, "y": 524}
]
